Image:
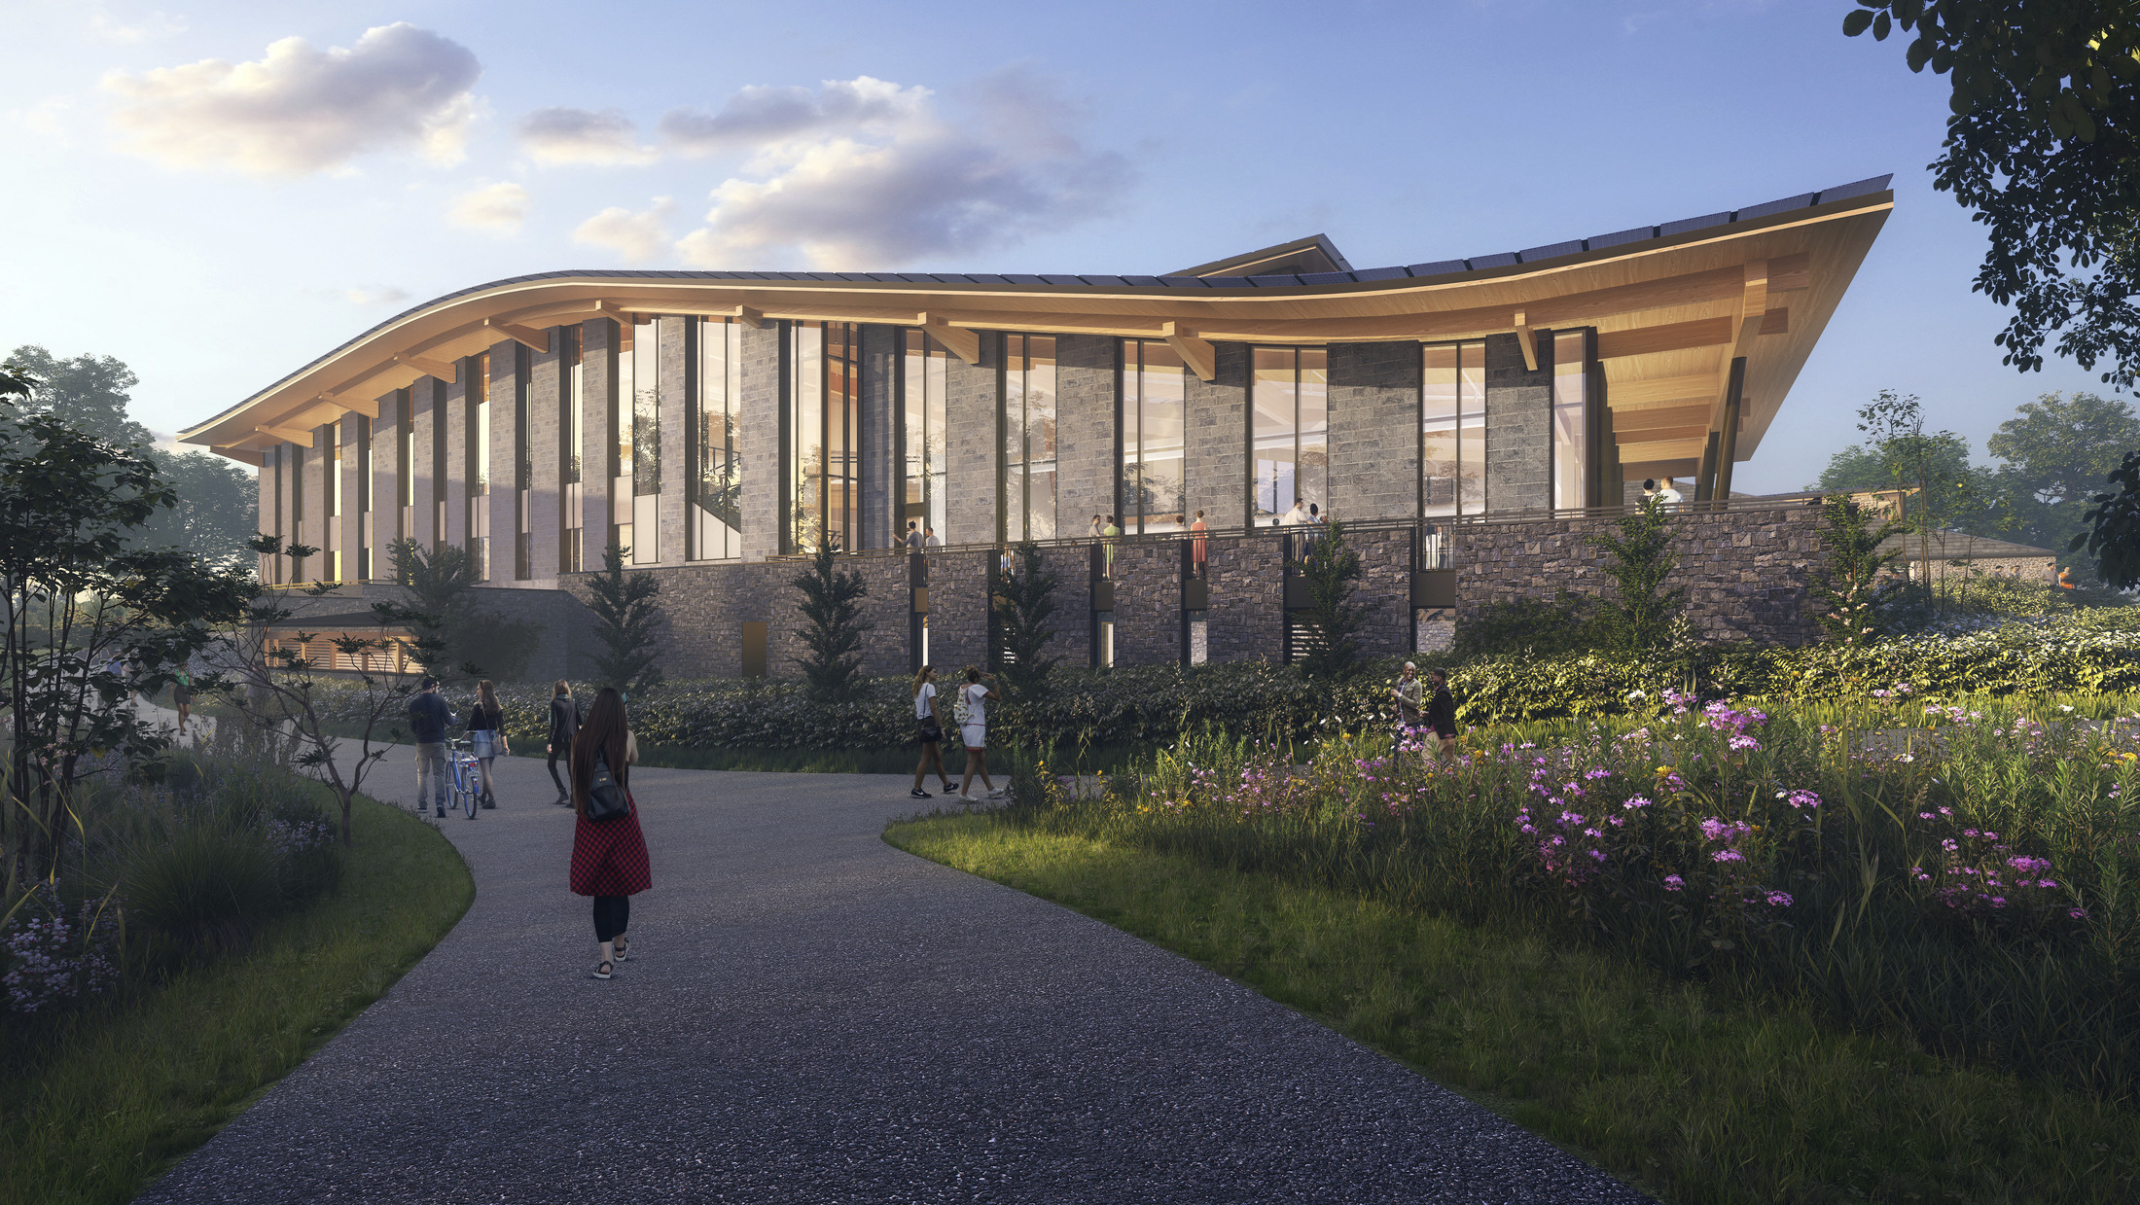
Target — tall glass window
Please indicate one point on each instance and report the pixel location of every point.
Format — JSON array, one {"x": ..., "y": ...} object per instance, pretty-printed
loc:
[
  {"x": 823, "y": 496},
  {"x": 1289, "y": 434},
  {"x": 922, "y": 436},
  {"x": 716, "y": 493},
  {"x": 1570, "y": 419},
  {"x": 1154, "y": 390},
  {"x": 1452, "y": 429},
  {"x": 477, "y": 469},
  {"x": 367, "y": 531},
  {"x": 1029, "y": 437},
  {"x": 523, "y": 468},
  {"x": 572, "y": 429},
  {"x": 639, "y": 457}
]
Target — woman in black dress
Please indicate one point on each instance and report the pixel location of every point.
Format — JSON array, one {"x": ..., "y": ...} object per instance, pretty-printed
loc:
[{"x": 564, "y": 725}]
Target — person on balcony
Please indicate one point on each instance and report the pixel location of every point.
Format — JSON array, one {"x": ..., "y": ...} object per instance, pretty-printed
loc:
[{"x": 1198, "y": 549}]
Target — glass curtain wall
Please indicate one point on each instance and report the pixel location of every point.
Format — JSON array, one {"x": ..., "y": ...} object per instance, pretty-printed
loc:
[
  {"x": 523, "y": 468},
  {"x": 404, "y": 466},
  {"x": 572, "y": 428},
  {"x": 716, "y": 493},
  {"x": 333, "y": 491},
  {"x": 1570, "y": 419},
  {"x": 824, "y": 496},
  {"x": 367, "y": 532},
  {"x": 1289, "y": 434},
  {"x": 1029, "y": 437},
  {"x": 1452, "y": 429},
  {"x": 1154, "y": 394},
  {"x": 922, "y": 433},
  {"x": 642, "y": 462},
  {"x": 477, "y": 468}
]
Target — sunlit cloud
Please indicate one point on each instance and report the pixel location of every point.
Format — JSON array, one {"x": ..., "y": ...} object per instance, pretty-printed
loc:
[
  {"x": 866, "y": 174},
  {"x": 496, "y": 208},
  {"x": 560, "y": 135},
  {"x": 300, "y": 110},
  {"x": 637, "y": 237}
]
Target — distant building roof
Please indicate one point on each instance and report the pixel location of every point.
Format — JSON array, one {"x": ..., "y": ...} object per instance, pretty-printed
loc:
[{"x": 1961, "y": 546}]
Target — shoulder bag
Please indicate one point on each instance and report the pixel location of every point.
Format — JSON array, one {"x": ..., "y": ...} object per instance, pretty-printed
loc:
[{"x": 606, "y": 797}]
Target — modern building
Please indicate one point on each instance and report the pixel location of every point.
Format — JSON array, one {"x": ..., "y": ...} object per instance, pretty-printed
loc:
[{"x": 715, "y": 423}]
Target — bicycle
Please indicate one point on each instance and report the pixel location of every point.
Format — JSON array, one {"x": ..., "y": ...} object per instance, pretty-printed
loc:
[{"x": 463, "y": 783}]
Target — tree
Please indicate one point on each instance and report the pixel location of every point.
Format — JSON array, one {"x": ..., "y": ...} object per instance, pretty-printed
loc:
[
  {"x": 1855, "y": 583},
  {"x": 2059, "y": 450},
  {"x": 217, "y": 506},
  {"x": 2112, "y": 534},
  {"x": 832, "y": 603},
  {"x": 282, "y": 684},
  {"x": 1024, "y": 602},
  {"x": 1976, "y": 505},
  {"x": 80, "y": 591},
  {"x": 1335, "y": 615},
  {"x": 627, "y": 621},
  {"x": 438, "y": 581},
  {"x": 2041, "y": 148},
  {"x": 88, "y": 393},
  {"x": 1639, "y": 561}
]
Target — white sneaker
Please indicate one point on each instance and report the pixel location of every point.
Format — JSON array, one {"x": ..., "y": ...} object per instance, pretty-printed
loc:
[
  {"x": 965, "y": 798},
  {"x": 997, "y": 793}
]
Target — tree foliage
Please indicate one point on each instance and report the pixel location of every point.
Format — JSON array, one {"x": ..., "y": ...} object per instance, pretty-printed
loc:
[
  {"x": 80, "y": 590},
  {"x": 88, "y": 393},
  {"x": 1335, "y": 614},
  {"x": 627, "y": 624},
  {"x": 1024, "y": 602},
  {"x": 832, "y": 605},
  {"x": 2058, "y": 452},
  {"x": 1855, "y": 584},
  {"x": 2040, "y": 147},
  {"x": 1640, "y": 560}
]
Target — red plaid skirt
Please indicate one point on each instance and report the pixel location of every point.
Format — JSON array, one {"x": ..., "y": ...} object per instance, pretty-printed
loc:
[{"x": 609, "y": 858}]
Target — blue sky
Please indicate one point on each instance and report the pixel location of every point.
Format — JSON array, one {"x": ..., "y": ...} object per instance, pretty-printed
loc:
[{"x": 216, "y": 212}]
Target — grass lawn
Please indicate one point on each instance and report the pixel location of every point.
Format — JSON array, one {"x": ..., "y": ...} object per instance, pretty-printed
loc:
[
  {"x": 94, "y": 1106},
  {"x": 1683, "y": 1091}
]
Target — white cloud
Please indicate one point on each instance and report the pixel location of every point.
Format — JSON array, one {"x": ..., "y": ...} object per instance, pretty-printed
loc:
[
  {"x": 759, "y": 114},
  {"x": 498, "y": 208},
  {"x": 582, "y": 136},
  {"x": 301, "y": 110},
  {"x": 637, "y": 237},
  {"x": 381, "y": 296},
  {"x": 868, "y": 175},
  {"x": 106, "y": 28}
]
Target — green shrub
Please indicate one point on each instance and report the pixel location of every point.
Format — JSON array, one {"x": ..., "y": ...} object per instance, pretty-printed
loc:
[
  {"x": 203, "y": 886},
  {"x": 1532, "y": 626}
]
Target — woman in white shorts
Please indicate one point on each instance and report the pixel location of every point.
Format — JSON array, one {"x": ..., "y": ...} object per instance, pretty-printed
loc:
[{"x": 973, "y": 730}]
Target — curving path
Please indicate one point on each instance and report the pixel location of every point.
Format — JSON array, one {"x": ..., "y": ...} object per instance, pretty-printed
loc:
[{"x": 810, "y": 1015}]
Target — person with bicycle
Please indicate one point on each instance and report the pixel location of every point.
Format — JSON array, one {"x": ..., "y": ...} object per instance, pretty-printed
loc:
[{"x": 429, "y": 716}]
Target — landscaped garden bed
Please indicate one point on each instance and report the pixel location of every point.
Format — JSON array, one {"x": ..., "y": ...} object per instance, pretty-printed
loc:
[{"x": 1733, "y": 956}]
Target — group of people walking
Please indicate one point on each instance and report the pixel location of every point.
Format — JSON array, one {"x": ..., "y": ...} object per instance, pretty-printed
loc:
[
  {"x": 972, "y": 712},
  {"x": 609, "y": 859}
]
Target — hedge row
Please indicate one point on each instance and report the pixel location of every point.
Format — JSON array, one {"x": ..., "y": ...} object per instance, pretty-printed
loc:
[{"x": 1154, "y": 703}]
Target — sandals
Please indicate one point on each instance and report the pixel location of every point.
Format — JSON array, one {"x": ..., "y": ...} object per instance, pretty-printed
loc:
[
  {"x": 602, "y": 969},
  {"x": 619, "y": 946}
]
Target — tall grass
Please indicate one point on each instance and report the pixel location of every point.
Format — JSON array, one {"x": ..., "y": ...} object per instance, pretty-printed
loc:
[{"x": 1964, "y": 873}]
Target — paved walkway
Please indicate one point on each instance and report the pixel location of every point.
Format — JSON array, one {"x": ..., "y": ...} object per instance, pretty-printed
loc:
[{"x": 810, "y": 1015}]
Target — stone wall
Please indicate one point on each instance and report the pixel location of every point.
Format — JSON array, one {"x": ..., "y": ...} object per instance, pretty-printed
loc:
[
  {"x": 958, "y": 610},
  {"x": 1374, "y": 430},
  {"x": 1085, "y": 451},
  {"x": 883, "y": 476},
  {"x": 758, "y": 432},
  {"x": 1215, "y": 465},
  {"x": 562, "y": 628},
  {"x": 1247, "y": 576},
  {"x": 1147, "y": 581},
  {"x": 1746, "y": 572},
  {"x": 1386, "y": 567},
  {"x": 546, "y": 415},
  {"x": 972, "y": 406},
  {"x": 1519, "y": 433}
]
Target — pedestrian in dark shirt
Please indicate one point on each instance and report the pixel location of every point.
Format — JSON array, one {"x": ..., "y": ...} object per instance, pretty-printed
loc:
[
  {"x": 1441, "y": 713},
  {"x": 564, "y": 725},
  {"x": 486, "y": 736},
  {"x": 429, "y": 716}
]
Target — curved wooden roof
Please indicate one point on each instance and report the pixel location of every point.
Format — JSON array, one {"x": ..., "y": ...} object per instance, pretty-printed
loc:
[{"x": 1674, "y": 305}]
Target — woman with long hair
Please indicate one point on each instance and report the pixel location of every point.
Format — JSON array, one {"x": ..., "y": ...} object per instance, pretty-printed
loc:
[
  {"x": 929, "y": 724},
  {"x": 564, "y": 726},
  {"x": 973, "y": 730},
  {"x": 608, "y": 856},
  {"x": 486, "y": 735}
]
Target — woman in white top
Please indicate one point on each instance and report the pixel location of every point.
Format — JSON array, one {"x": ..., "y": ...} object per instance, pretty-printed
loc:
[
  {"x": 974, "y": 731},
  {"x": 929, "y": 731}
]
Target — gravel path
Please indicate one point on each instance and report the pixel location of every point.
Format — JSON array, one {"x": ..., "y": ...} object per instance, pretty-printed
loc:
[{"x": 810, "y": 1015}]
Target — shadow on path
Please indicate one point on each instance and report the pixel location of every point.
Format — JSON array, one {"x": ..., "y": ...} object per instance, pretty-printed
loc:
[{"x": 810, "y": 1015}]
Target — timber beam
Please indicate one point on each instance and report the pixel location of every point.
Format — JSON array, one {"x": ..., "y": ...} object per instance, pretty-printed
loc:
[{"x": 1198, "y": 354}]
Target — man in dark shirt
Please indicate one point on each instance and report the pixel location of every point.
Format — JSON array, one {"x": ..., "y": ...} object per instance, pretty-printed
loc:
[
  {"x": 429, "y": 716},
  {"x": 1441, "y": 713}
]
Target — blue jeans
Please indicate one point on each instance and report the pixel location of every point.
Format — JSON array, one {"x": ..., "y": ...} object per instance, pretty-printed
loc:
[{"x": 431, "y": 767}]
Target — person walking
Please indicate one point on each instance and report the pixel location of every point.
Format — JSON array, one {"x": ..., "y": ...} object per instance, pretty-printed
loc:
[
  {"x": 1110, "y": 532},
  {"x": 609, "y": 859},
  {"x": 564, "y": 725},
  {"x": 1198, "y": 545},
  {"x": 913, "y": 536},
  {"x": 973, "y": 730},
  {"x": 429, "y": 716},
  {"x": 182, "y": 696},
  {"x": 486, "y": 736},
  {"x": 929, "y": 730},
  {"x": 1407, "y": 697},
  {"x": 1441, "y": 713}
]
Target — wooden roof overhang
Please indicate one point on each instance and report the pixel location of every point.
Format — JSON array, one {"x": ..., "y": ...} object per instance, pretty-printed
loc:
[{"x": 1673, "y": 312}]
